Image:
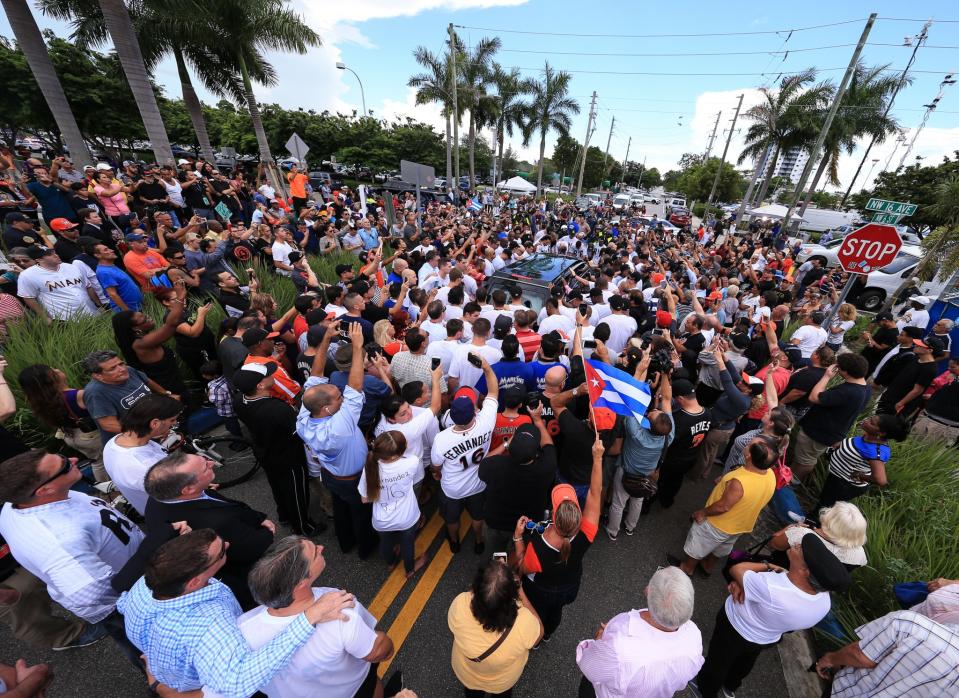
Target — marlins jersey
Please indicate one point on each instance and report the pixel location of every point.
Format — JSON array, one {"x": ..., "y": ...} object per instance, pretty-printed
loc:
[
  {"x": 459, "y": 453},
  {"x": 75, "y": 546}
]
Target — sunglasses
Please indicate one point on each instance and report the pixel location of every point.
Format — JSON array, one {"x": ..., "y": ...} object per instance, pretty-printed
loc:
[
  {"x": 537, "y": 526},
  {"x": 66, "y": 465}
]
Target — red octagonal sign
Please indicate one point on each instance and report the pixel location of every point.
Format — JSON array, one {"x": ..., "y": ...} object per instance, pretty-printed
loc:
[{"x": 871, "y": 247}]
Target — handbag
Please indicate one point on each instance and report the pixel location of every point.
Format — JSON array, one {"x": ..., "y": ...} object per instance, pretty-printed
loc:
[
  {"x": 493, "y": 647},
  {"x": 637, "y": 485}
]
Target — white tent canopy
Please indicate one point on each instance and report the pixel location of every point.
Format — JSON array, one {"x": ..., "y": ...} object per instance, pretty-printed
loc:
[
  {"x": 516, "y": 184},
  {"x": 773, "y": 211}
]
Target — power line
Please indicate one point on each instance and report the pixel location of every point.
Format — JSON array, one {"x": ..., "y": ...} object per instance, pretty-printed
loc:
[
  {"x": 693, "y": 55},
  {"x": 697, "y": 74},
  {"x": 655, "y": 36}
]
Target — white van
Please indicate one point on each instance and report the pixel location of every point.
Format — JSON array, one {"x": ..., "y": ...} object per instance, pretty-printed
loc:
[
  {"x": 675, "y": 202},
  {"x": 620, "y": 201},
  {"x": 884, "y": 282}
]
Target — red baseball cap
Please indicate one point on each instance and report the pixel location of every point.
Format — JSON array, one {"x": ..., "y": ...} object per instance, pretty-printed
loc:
[
  {"x": 59, "y": 224},
  {"x": 563, "y": 493},
  {"x": 663, "y": 318}
]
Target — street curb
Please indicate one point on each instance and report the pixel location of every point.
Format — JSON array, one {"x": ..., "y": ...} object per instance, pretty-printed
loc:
[{"x": 796, "y": 654}]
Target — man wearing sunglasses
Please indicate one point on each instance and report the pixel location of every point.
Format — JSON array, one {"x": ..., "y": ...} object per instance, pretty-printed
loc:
[{"x": 71, "y": 541}]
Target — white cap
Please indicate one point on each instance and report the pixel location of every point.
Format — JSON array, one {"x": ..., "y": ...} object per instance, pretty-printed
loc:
[
  {"x": 181, "y": 161},
  {"x": 923, "y": 300},
  {"x": 103, "y": 166}
]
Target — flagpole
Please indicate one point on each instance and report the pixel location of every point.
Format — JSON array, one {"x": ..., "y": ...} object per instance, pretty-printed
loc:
[{"x": 578, "y": 345}]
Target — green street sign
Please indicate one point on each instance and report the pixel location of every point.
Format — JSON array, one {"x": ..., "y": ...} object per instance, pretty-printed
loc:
[
  {"x": 885, "y": 218},
  {"x": 896, "y": 207}
]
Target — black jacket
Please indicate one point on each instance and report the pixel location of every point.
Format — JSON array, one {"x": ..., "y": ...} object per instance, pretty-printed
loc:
[{"x": 235, "y": 522}]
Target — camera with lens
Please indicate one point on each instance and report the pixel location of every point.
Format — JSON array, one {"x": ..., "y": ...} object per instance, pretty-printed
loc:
[{"x": 660, "y": 361}]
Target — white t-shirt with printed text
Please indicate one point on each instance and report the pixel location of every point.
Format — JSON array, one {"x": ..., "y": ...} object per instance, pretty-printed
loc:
[
  {"x": 460, "y": 452},
  {"x": 395, "y": 509}
]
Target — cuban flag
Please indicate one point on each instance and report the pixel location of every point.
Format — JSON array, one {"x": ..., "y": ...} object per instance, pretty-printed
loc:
[
  {"x": 616, "y": 391},
  {"x": 474, "y": 205}
]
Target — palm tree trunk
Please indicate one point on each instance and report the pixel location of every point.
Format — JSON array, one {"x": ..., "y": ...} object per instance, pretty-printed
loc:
[
  {"x": 456, "y": 151},
  {"x": 472, "y": 151},
  {"x": 815, "y": 181},
  {"x": 500, "y": 137},
  {"x": 193, "y": 107},
  {"x": 28, "y": 36},
  {"x": 769, "y": 176},
  {"x": 542, "y": 154},
  {"x": 117, "y": 19},
  {"x": 266, "y": 157},
  {"x": 449, "y": 156}
]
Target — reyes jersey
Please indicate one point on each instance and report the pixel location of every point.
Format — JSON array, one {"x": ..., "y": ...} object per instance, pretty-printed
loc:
[
  {"x": 75, "y": 546},
  {"x": 459, "y": 453}
]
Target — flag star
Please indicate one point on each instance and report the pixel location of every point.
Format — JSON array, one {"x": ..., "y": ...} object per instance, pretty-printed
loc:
[{"x": 595, "y": 382}]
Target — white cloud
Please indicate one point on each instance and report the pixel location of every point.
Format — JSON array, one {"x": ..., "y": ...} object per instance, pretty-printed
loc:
[{"x": 363, "y": 10}]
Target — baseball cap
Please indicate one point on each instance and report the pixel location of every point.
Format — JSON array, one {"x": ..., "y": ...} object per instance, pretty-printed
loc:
[
  {"x": 135, "y": 237},
  {"x": 617, "y": 303},
  {"x": 295, "y": 256},
  {"x": 524, "y": 445},
  {"x": 249, "y": 376},
  {"x": 739, "y": 340},
  {"x": 883, "y": 315},
  {"x": 15, "y": 217},
  {"x": 919, "y": 343},
  {"x": 503, "y": 324},
  {"x": 35, "y": 252},
  {"x": 778, "y": 274},
  {"x": 756, "y": 385},
  {"x": 563, "y": 493},
  {"x": 341, "y": 268},
  {"x": 104, "y": 166},
  {"x": 922, "y": 300},
  {"x": 936, "y": 344},
  {"x": 59, "y": 224},
  {"x": 683, "y": 388},
  {"x": 663, "y": 318},
  {"x": 256, "y": 335},
  {"x": 825, "y": 568},
  {"x": 182, "y": 161},
  {"x": 190, "y": 237},
  {"x": 467, "y": 392},
  {"x": 462, "y": 411},
  {"x": 794, "y": 354}
]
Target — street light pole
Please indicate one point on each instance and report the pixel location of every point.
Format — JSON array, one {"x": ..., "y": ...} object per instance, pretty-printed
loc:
[{"x": 342, "y": 66}]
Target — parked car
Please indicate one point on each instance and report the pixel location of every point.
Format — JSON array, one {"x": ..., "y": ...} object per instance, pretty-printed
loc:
[
  {"x": 680, "y": 216},
  {"x": 877, "y": 286},
  {"x": 537, "y": 275},
  {"x": 621, "y": 201}
]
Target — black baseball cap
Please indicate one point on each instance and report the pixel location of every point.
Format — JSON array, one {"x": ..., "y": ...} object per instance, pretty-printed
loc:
[
  {"x": 15, "y": 217},
  {"x": 254, "y": 336},
  {"x": 883, "y": 315},
  {"x": 249, "y": 376},
  {"x": 524, "y": 445},
  {"x": 683, "y": 388}
]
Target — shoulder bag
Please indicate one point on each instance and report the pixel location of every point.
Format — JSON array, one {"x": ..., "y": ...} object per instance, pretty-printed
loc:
[{"x": 492, "y": 648}]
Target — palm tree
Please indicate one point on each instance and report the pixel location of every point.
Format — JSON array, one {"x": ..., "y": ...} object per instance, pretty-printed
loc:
[
  {"x": 862, "y": 114},
  {"x": 31, "y": 42},
  {"x": 510, "y": 110},
  {"x": 551, "y": 108},
  {"x": 245, "y": 28},
  {"x": 433, "y": 86},
  {"x": 118, "y": 23},
  {"x": 776, "y": 123},
  {"x": 474, "y": 74}
]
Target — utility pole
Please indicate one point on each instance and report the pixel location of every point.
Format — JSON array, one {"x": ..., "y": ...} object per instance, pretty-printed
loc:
[
  {"x": 712, "y": 137},
  {"x": 722, "y": 161},
  {"x": 816, "y": 150},
  {"x": 589, "y": 127},
  {"x": 456, "y": 112},
  {"x": 930, "y": 108},
  {"x": 920, "y": 40},
  {"x": 609, "y": 140},
  {"x": 626, "y": 161},
  {"x": 758, "y": 170},
  {"x": 641, "y": 171}
]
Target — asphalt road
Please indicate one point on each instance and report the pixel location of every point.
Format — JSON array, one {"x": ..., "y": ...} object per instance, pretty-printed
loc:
[{"x": 614, "y": 579}]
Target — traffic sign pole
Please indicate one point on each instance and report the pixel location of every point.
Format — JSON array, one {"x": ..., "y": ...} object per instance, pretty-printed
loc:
[{"x": 871, "y": 247}]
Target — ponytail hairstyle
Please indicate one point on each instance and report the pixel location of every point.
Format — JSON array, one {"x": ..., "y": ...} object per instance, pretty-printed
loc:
[
  {"x": 781, "y": 422},
  {"x": 567, "y": 519},
  {"x": 388, "y": 446}
]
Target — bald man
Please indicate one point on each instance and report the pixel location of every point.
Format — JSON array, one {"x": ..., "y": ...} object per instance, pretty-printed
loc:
[{"x": 328, "y": 424}]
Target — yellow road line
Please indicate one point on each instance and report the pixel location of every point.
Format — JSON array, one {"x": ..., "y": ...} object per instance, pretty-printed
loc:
[
  {"x": 397, "y": 579},
  {"x": 415, "y": 604}
]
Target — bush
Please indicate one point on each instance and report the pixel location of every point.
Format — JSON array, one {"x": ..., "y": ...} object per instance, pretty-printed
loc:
[{"x": 64, "y": 345}]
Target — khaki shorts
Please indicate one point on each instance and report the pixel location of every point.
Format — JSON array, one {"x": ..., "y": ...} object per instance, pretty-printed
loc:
[
  {"x": 807, "y": 451},
  {"x": 704, "y": 539}
]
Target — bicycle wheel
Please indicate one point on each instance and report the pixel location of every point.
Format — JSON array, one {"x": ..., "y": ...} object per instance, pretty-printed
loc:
[{"x": 235, "y": 458}]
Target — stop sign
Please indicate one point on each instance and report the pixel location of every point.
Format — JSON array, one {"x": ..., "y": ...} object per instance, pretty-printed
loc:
[{"x": 871, "y": 247}]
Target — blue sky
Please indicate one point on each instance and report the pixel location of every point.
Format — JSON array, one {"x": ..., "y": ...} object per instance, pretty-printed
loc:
[{"x": 666, "y": 115}]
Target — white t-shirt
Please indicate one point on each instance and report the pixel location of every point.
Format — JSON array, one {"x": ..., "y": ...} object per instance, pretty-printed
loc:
[
  {"x": 435, "y": 330},
  {"x": 75, "y": 547},
  {"x": 419, "y": 432},
  {"x": 281, "y": 253},
  {"x": 558, "y": 322},
  {"x": 62, "y": 292},
  {"x": 459, "y": 453},
  {"x": 760, "y": 314},
  {"x": 810, "y": 337},
  {"x": 395, "y": 509},
  {"x": 267, "y": 191},
  {"x": 174, "y": 191},
  {"x": 773, "y": 606},
  {"x": 621, "y": 328},
  {"x": 444, "y": 351},
  {"x": 467, "y": 374},
  {"x": 331, "y": 662},
  {"x": 844, "y": 325},
  {"x": 128, "y": 467}
]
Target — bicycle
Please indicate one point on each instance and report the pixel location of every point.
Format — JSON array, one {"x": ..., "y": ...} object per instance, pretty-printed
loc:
[{"x": 234, "y": 458}]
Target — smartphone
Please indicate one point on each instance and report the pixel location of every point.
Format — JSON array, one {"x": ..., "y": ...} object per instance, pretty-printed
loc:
[
  {"x": 589, "y": 343},
  {"x": 436, "y": 363},
  {"x": 475, "y": 360}
]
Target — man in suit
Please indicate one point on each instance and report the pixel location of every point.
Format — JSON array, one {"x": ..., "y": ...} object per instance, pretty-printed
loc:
[{"x": 179, "y": 490}]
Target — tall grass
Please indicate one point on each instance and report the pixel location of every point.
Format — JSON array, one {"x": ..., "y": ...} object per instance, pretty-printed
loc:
[{"x": 64, "y": 345}]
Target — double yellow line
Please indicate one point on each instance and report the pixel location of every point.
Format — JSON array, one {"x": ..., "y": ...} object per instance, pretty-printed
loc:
[{"x": 411, "y": 610}]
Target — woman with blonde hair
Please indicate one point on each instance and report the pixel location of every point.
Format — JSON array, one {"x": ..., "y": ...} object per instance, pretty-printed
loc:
[
  {"x": 842, "y": 529},
  {"x": 387, "y": 483},
  {"x": 843, "y": 322},
  {"x": 552, "y": 551}
]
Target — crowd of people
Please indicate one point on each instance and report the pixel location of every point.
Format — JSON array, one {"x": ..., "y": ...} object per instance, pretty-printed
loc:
[{"x": 418, "y": 378}]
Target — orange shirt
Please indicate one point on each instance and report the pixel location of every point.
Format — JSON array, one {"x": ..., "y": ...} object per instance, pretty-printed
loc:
[
  {"x": 284, "y": 387},
  {"x": 297, "y": 184},
  {"x": 142, "y": 266}
]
